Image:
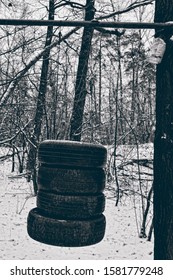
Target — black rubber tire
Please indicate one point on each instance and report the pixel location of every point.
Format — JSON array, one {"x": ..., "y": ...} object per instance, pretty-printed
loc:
[
  {"x": 67, "y": 233},
  {"x": 71, "y": 207},
  {"x": 71, "y": 181},
  {"x": 72, "y": 153}
]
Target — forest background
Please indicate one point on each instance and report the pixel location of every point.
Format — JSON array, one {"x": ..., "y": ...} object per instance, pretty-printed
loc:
[{"x": 41, "y": 69}]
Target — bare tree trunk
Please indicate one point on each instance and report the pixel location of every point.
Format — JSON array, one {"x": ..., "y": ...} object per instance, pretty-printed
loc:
[
  {"x": 31, "y": 166},
  {"x": 80, "y": 87},
  {"x": 163, "y": 146}
]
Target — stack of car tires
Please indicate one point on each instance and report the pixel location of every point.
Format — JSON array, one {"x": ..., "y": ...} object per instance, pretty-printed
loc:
[{"x": 70, "y": 199}]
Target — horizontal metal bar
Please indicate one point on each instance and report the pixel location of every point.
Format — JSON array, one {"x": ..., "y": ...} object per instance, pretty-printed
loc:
[{"x": 111, "y": 24}]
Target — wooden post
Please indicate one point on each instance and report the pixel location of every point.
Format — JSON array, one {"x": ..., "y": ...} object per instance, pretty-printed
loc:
[{"x": 163, "y": 145}]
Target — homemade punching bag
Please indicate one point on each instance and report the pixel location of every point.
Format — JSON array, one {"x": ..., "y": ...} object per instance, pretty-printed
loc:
[{"x": 70, "y": 199}]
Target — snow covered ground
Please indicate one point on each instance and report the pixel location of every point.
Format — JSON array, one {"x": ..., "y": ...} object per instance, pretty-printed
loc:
[{"x": 121, "y": 239}]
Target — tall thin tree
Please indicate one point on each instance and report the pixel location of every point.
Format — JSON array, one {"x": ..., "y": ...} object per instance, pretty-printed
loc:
[
  {"x": 39, "y": 114},
  {"x": 80, "y": 87}
]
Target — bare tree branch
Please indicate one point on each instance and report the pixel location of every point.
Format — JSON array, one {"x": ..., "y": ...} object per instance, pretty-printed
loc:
[
  {"x": 14, "y": 136},
  {"x": 111, "y": 32},
  {"x": 36, "y": 58},
  {"x": 128, "y": 9},
  {"x": 72, "y": 4}
]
